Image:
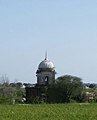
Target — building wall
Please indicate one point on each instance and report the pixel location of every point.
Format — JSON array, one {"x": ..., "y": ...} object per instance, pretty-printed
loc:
[{"x": 45, "y": 77}]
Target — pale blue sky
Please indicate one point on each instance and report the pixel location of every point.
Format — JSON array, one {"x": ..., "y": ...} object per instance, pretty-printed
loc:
[{"x": 67, "y": 29}]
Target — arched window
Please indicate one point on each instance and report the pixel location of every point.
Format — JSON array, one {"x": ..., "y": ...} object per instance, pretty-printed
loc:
[{"x": 46, "y": 80}]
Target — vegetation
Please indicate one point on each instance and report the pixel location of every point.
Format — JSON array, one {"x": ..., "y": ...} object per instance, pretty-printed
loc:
[
  {"x": 66, "y": 89},
  {"x": 10, "y": 92},
  {"x": 49, "y": 112}
]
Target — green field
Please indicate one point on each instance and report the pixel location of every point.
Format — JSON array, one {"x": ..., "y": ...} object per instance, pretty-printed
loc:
[{"x": 49, "y": 112}]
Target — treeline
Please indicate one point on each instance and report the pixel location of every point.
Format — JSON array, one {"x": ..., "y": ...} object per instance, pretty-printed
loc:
[
  {"x": 66, "y": 89},
  {"x": 10, "y": 93}
]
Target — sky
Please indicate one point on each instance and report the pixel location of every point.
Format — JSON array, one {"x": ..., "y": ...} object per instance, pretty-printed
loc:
[{"x": 66, "y": 29}]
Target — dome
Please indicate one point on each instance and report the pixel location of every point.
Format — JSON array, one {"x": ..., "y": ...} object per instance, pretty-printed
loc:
[{"x": 46, "y": 64}]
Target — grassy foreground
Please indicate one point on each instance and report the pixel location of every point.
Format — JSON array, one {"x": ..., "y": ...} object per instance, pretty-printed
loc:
[{"x": 49, "y": 112}]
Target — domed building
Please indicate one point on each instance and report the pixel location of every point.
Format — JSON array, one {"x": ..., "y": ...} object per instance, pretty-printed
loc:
[
  {"x": 45, "y": 77},
  {"x": 46, "y": 72}
]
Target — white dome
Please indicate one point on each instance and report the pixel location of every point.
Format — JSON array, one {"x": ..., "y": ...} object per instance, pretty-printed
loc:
[{"x": 46, "y": 64}]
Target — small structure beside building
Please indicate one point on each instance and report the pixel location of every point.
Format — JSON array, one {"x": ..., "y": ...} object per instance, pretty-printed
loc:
[{"x": 91, "y": 96}]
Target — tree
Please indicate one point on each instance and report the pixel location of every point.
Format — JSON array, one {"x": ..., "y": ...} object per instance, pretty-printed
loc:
[
  {"x": 18, "y": 84},
  {"x": 92, "y": 85},
  {"x": 12, "y": 84},
  {"x": 7, "y": 94},
  {"x": 66, "y": 88},
  {"x": 4, "y": 80}
]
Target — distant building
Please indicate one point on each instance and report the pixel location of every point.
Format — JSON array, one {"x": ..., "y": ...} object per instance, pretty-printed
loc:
[
  {"x": 45, "y": 77},
  {"x": 46, "y": 72}
]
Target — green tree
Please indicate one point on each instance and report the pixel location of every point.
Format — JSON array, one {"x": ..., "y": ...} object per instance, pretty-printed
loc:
[
  {"x": 66, "y": 88},
  {"x": 19, "y": 84}
]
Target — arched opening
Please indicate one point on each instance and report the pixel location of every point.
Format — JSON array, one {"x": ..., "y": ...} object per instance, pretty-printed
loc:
[{"x": 46, "y": 80}]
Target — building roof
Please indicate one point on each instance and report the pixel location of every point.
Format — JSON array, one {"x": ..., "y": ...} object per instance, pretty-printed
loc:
[{"x": 46, "y": 64}]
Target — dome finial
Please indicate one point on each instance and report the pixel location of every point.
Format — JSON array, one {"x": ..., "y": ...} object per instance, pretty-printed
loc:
[{"x": 46, "y": 55}]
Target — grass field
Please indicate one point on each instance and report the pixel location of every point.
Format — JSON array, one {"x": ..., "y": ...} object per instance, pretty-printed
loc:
[{"x": 49, "y": 112}]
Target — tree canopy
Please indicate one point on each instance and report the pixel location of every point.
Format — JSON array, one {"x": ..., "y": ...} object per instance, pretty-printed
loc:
[{"x": 67, "y": 87}]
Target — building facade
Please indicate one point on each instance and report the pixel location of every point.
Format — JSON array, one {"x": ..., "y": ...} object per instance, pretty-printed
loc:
[
  {"x": 45, "y": 76},
  {"x": 46, "y": 72}
]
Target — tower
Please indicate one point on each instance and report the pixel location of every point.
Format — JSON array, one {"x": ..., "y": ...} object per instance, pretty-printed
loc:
[{"x": 46, "y": 72}]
